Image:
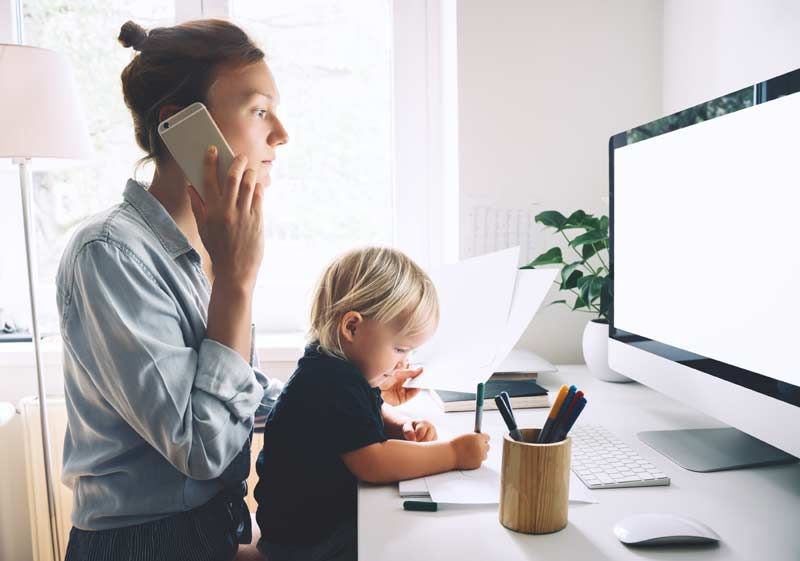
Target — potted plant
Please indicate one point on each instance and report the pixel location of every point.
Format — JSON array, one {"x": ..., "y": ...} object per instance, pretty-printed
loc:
[{"x": 584, "y": 274}]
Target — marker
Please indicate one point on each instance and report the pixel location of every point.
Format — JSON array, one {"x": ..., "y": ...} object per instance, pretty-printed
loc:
[
  {"x": 508, "y": 417},
  {"x": 551, "y": 417},
  {"x": 572, "y": 417},
  {"x": 421, "y": 506},
  {"x": 507, "y": 399},
  {"x": 562, "y": 417},
  {"x": 479, "y": 407}
]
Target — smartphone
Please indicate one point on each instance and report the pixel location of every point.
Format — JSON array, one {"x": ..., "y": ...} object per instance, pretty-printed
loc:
[{"x": 187, "y": 135}]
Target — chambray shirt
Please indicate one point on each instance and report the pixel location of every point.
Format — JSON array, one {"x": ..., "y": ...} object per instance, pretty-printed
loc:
[{"x": 156, "y": 411}]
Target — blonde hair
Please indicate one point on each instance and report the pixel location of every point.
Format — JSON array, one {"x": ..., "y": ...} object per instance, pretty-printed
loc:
[{"x": 379, "y": 283}]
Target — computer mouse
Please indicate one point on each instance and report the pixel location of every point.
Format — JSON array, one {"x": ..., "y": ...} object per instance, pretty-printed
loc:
[{"x": 663, "y": 529}]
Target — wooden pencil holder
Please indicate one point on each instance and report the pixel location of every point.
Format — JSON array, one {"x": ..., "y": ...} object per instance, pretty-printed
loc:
[{"x": 534, "y": 484}]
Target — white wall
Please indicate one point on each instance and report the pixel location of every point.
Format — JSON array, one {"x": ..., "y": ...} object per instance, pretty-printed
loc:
[
  {"x": 542, "y": 87},
  {"x": 718, "y": 46}
]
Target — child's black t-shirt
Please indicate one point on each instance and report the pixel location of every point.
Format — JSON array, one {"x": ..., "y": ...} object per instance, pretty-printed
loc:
[{"x": 326, "y": 409}]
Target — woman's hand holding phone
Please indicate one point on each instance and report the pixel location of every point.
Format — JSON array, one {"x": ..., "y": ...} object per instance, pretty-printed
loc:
[{"x": 230, "y": 220}]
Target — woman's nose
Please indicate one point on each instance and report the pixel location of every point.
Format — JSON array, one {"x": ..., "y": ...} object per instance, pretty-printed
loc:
[{"x": 278, "y": 134}]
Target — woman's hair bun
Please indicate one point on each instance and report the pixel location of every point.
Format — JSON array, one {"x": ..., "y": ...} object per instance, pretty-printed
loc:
[{"x": 132, "y": 35}]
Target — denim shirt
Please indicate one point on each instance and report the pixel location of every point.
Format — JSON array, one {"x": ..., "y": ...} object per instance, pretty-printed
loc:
[{"x": 156, "y": 411}]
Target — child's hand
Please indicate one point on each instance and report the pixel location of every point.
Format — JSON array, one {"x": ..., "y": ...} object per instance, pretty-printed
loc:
[
  {"x": 471, "y": 450},
  {"x": 419, "y": 431},
  {"x": 392, "y": 390}
]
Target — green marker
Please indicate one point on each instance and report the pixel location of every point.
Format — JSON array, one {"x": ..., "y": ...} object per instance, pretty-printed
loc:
[
  {"x": 479, "y": 407},
  {"x": 421, "y": 506}
]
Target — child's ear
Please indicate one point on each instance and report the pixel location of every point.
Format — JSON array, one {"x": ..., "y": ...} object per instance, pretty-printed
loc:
[{"x": 350, "y": 323}]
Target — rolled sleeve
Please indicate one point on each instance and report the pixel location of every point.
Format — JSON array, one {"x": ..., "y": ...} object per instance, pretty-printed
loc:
[{"x": 222, "y": 372}]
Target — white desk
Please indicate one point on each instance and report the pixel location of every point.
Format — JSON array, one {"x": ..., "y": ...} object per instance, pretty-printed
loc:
[{"x": 756, "y": 512}]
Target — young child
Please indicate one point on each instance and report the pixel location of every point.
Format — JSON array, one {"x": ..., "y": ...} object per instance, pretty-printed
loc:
[{"x": 330, "y": 427}]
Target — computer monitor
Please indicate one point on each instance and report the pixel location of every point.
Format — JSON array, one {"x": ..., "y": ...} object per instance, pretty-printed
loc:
[{"x": 705, "y": 271}]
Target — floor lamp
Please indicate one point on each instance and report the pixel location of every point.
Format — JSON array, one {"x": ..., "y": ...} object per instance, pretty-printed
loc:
[{"x": 40, "y": 117}]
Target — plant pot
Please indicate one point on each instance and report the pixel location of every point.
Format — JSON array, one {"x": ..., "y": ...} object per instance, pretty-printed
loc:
[{"x": 595, "y": 352}]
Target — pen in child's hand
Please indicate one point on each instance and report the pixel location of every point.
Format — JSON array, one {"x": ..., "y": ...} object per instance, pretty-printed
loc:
[{"x": 479, "y": 407}]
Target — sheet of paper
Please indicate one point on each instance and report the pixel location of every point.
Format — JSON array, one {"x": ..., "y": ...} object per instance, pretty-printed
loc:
[
  {"x": 474, "y": 299},
  {"x": 523, "y": 360},
  {"x": 531, "y": 287},
  {"x": 482, "y": 486},
  {"x": 414, "y": 488}
]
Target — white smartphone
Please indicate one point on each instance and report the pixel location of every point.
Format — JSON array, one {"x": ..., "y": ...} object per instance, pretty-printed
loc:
[{"x": 188, "y": 134}]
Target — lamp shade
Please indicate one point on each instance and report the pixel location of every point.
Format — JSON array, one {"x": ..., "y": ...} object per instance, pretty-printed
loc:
[{"x": 40, "y": 112}]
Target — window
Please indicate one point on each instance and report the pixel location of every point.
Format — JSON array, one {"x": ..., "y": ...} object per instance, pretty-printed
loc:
[
  {"x": 356, "y": 129},
  {"x": 332, "y": 183}
]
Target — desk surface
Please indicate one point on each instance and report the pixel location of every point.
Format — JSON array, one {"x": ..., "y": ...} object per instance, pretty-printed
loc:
[{"x": 756, "y": 512}]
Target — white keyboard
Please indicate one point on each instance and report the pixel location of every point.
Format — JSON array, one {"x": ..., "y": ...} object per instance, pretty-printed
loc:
[{"x": 602, "y": 461}]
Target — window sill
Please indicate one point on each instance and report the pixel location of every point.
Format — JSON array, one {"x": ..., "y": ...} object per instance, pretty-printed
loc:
[{"x": 272, "y": 348}]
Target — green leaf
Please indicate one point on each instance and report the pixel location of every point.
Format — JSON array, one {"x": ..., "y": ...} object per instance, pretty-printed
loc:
[
  {"x": 571, "y": 281},
  {"x": 604, "y": 223},
  {"x": 552, "y": 219},
  {"x": 592, "y": 223},
  {"x": 591, "y": 248},
  {"x": 550, "y": 257},
  {"x": 588, "y": 250},
  {"x": 567, "y": 270},
  {"x": 579, "y": 303},
  {"x": 590, "y": 287},
  {"x": 592, "y": 236},
  {"x": 557, "y": 302},
  {"x": 576, "y": 220}
]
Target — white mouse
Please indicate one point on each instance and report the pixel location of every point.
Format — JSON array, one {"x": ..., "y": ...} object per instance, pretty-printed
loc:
[{"x": 663, "y": 529}]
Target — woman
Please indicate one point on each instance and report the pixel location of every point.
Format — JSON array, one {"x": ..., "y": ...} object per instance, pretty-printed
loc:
[{"x": 155, "y": 299}]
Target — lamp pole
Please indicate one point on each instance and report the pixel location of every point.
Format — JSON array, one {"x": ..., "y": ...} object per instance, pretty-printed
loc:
[{"x": 25, "y": 182}]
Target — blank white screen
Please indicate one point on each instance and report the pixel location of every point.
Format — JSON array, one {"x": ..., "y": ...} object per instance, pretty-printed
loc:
[{"x": 705, "y": 230}]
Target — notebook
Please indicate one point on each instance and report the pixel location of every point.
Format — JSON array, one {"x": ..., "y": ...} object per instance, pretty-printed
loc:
[{"x": 523, "y": 394}]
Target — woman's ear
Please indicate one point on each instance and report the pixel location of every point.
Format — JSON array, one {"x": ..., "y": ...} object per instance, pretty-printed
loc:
[
  {"x": 349, "y": 324},
  {"x": 168, "y": 111}
]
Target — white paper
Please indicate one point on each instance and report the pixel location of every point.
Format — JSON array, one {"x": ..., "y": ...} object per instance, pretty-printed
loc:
[
  {"x": 530, "y": 288},
  {"x": 486, "y": 303},
  {"x": 482, "y": 486},
  {"x": 474, "y": 302},
  {"x": 523, "y": 360},
  {"x": 414, "y": 488}
]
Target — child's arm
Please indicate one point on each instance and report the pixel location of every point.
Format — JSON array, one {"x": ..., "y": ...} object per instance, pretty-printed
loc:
[
  {"x": 397, "y": 425},
  {"x": 396, "y": 460}
]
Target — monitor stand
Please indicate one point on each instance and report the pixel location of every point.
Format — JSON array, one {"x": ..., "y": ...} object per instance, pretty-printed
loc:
[{"x": 719, "y": 449}]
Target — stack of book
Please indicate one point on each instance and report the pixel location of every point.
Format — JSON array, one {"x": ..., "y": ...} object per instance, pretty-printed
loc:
[
  {"x": 517, "y": 375},
  {"x": 523, "y": 391}
]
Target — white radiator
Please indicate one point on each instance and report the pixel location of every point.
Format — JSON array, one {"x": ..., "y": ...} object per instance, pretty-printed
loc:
[{"x": 34, "y": 474}]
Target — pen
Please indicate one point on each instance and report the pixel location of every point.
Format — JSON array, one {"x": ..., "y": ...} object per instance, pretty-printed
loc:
[
  {"x": 563, "y": 416},
  {"x": 479, "y": 407},
  {"x": 508, "y": 417},
  {"x": 551, "y": 417},
  {"x": 421, "y": 506}
]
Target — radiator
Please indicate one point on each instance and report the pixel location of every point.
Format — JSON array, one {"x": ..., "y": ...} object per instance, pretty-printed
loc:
[
  {"x": 35, "y": 477},
  {"x": 34, "y": 474}
]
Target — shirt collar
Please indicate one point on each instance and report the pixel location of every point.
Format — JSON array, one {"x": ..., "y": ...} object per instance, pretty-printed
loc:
[{"x": 157, "y": 218}]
